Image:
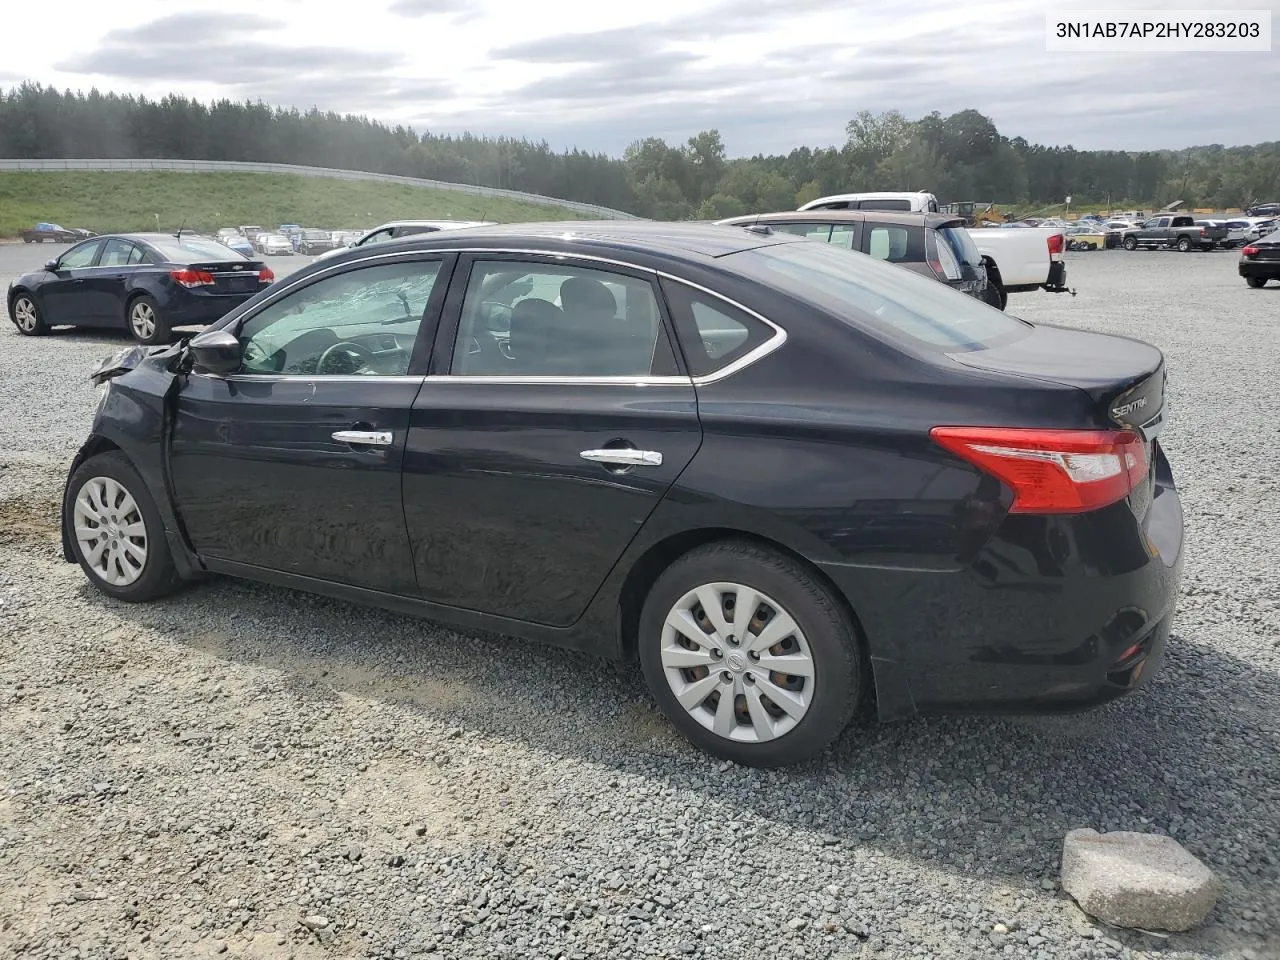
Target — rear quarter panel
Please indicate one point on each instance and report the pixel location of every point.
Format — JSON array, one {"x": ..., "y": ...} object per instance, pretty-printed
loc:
[{"x": 1020, "y": 254}]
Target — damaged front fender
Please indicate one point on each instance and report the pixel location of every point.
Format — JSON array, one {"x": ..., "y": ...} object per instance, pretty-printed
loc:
[{"x": 129, "y": 358}]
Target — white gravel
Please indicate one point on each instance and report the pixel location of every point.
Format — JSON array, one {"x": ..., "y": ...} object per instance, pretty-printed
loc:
[{"x": 250, "y": 772}]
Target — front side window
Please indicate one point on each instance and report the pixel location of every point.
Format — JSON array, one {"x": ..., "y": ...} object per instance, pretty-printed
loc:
[
  {"x": 364, "y": 321},
  {"x": 878, "y": 297},
  {"x": 556, "y": 320},
  {"x": 81, "y": 256},
  {"x": 378, "y": 237},
  {"x": 813, "y": 231}
]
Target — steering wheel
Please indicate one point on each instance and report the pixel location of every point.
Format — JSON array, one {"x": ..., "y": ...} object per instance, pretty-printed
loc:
[{"x": 353, "y": 351}]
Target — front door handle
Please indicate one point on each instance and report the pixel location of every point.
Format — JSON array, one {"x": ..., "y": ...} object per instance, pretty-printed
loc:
[
  {"x": 364, "y": 438},
  {"x": 624, "y": 457}
]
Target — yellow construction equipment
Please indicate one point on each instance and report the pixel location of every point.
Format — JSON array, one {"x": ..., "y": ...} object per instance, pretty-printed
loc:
[{"x": 975, "y": 214}]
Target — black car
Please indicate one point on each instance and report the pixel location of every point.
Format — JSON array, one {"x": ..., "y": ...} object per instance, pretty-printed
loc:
[
  {"x": 782, "y": 477},
  {"x": 932, "y": 244},
  {"x": 312, "y": 241},
  {"x": 1260, "y": 260},
  {"x": 146, "y": 283}
]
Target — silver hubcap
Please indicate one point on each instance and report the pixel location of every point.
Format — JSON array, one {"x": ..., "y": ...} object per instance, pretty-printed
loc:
[
  {"x": 24, "y": 311},
  {"x": 143, "y": 320},
  {"x": 738, "y": 662},
  {"x": 110, "y": 530}
]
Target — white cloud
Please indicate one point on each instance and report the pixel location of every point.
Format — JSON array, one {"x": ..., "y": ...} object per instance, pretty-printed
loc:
[{"x": 770, "y": 74}]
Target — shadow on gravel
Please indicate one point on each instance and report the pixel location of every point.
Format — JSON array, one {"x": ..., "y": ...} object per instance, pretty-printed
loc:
[{"x": 979, "y": 796}]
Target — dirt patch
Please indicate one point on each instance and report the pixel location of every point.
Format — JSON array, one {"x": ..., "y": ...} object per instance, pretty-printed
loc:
[{"x": 33, "y": 520}]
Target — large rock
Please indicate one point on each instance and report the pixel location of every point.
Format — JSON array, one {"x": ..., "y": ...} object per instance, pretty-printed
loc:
[{"x": 1137, "y": 880}]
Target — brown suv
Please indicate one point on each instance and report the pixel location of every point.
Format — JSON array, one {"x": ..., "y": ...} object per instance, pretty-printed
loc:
[{"x": 933, "y": 244}]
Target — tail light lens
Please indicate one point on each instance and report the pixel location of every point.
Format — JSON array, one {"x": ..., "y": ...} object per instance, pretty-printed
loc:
[
  {"x": 1056, "y": 242},
  {"x": 266, "y": 275},
  {"x": 1250, "y": 251},
  {"x": 1053, "y": 471},
  {"x": 192, "y": 278}
]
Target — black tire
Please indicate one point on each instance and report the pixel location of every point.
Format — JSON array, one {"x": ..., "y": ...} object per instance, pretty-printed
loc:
[
  {"x": 1256, "y": 282},
  {"x": 994, "y": 296},
  {"x": 831, "y": 639},
  {"x": 158, "y": 575},
  {"x": 1130, "y": 243},
  {"x": 28, "y": 319},
  {"x": 151, "y": 332},
  {"x": 1184, "y": 244}
]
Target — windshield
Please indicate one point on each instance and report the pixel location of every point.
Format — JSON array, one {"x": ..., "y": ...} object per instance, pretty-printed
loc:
[
  {"x": 879, "y": 296},
  {"x": 191, "y": 249}
]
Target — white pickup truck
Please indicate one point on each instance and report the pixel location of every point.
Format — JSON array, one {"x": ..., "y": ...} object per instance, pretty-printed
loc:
[{"x": 1020, "y": 259}]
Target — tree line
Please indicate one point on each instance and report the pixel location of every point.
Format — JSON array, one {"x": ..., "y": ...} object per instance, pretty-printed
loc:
[{"x": 958, "y": 157}]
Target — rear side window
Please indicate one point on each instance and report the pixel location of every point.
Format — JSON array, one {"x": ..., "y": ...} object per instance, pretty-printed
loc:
[
  {"x": 885, "y": 205},
  {"x": 894, "y": 242},
  {"x": 713, "y": 333},
  {"x": 878, "y": 297}
]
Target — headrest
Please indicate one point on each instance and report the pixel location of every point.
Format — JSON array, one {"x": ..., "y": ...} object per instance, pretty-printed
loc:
[{"x": 584, "y": 296}]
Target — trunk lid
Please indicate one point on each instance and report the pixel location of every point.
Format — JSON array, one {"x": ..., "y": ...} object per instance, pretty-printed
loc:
[
  {"x": 1124, "y": 379},
  {"x": 233, "y": 276}
]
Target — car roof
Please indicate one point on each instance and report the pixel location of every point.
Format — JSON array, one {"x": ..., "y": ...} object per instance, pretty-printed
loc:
[
  {"x": 635, "y": 236},
  {"x": 906, "y": 217}
]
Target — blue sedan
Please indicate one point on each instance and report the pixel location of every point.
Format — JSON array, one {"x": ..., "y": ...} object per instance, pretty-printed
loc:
[{"x": 147, "y": 283}]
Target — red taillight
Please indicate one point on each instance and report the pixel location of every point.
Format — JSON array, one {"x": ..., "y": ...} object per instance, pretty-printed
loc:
[
  {"x": 1250, "y": 251},
  {"x": 936, "y": 267},
  {"x": 1056, "y": 243},
  {"x": 1053, "y": 471},
  {"x": 1203, "y": 231},
  {"x": 192, "y": 278},
  {"x": 266, "y": 275}
]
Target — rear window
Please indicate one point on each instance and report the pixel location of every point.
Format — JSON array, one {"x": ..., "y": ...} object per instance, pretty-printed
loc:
[
  {"x": 961, "y": 245},
  {"x": 885, "y": 299},
  {"x": 894, "y": 242},
  {"x": 191, "y": 249}
]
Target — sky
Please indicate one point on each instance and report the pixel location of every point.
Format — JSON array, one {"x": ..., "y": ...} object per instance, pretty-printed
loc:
[{"x": 770, "y": 75}]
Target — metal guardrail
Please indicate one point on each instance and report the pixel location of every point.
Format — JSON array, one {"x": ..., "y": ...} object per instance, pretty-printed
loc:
[{"x": 236, "y": 166}]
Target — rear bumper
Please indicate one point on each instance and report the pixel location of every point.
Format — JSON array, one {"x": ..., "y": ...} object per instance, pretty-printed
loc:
[
  {"x": 1270, "y": 269},
  {"x": 1057, "y": 277},
  {"x": 193, "y": 309},
  {"x": 1054, "y": 614}
]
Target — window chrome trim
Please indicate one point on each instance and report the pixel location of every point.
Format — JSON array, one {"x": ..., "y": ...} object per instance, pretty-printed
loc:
[
  {"x": 308, "y": 377},
  {"x": 759, "y": 353}
]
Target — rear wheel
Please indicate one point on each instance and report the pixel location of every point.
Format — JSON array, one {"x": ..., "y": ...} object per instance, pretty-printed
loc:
[
  {"x": 994, "y": 296},
  {"x": 1184, "y": 244},
  {"x": 145, "y": 322},
  {"x": 1256, "y": 282},
  {"x": 1130, "y": 243},
  {"x": 26, "y": 316},
  {"x": 116, "y": 531},
  {"x": 749, "y": 655}
]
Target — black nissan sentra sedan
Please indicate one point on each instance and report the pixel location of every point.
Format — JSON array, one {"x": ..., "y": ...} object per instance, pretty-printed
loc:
[
  {"x": 146, "y": 283},
  {"x": 781, "y": 476}
]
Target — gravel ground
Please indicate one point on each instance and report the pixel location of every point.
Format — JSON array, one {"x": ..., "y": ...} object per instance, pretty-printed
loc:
[{"x": 251, "y": 772}]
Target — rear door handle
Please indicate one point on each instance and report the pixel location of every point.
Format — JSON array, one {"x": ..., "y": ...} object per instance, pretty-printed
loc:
[
  {"x": 366, "y": 438},
  {"x": 624, "y": 457}
]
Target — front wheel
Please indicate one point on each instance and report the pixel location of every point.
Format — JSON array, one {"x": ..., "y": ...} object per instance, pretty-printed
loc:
[
  {"x": 1256, "y": 282},
  {"x": 146, "y": 323},
  {"x": 1130, "y": 243},
  {"x": 117, "y": 535},
  {"x": 749, "y": 655},
  {"x": 26, "y": 316}
]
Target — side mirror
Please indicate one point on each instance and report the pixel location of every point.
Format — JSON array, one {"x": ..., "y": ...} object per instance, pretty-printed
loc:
[
  {"x": 216, "y": 352},
  {"x": 51, "y": 265}
]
